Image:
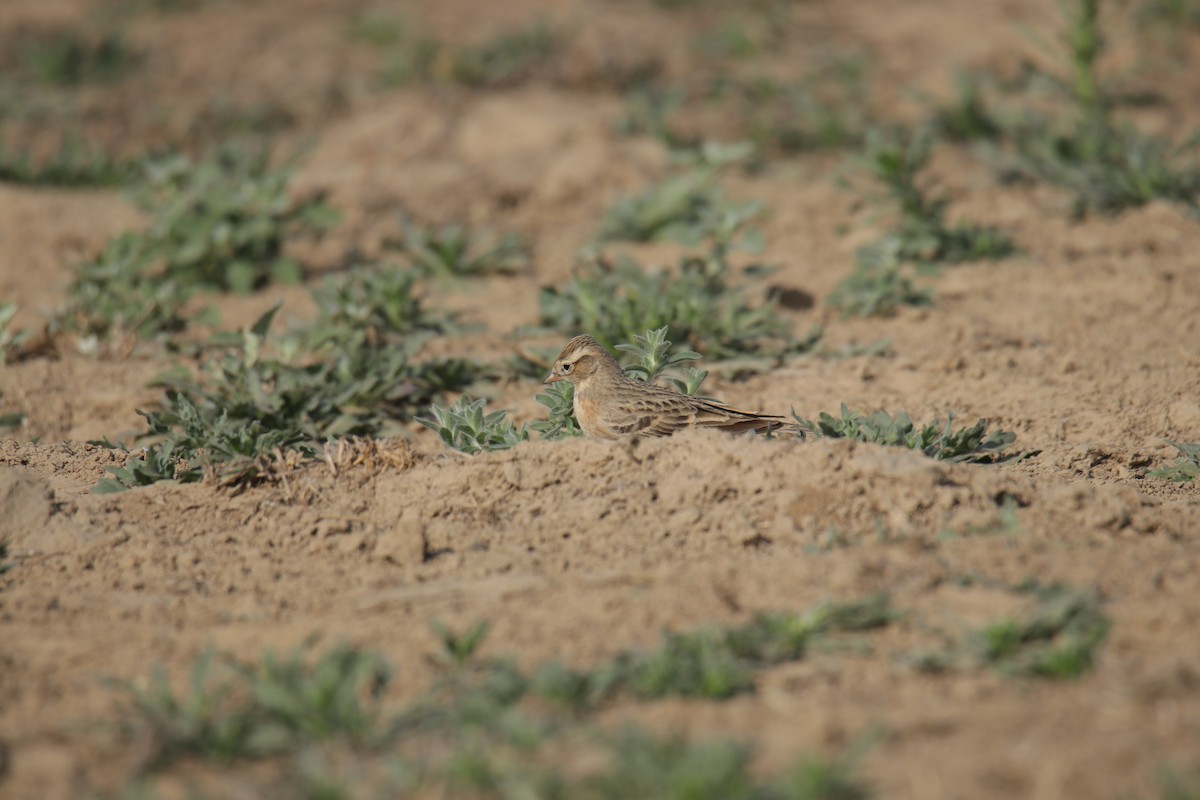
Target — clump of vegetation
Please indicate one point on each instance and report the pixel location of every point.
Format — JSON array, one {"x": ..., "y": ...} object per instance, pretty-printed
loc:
[
  {"x": 617, "y": 300},
  {"x": 72, "y": 164},
  {"x": 11, "y": 339},
  {"x": 922, "y": 234},
  {"x": 259, "y": 710},
  {"x": 1109, "y": 166},
  {"x": 1186, "y": 467},
  {"x": 463, "y": 426},
  {"x": 70, "y": 58},
  {"x": 118, "y": 293},
  {"x": 938, "y": 440},
  {"x": 455, "y": 251},
  {"x": 5, "y": 566},
  {"x": 688, "y": 207},
  {"x": 370, "y": 307},
  {"x": 248, "y": 406},
  {"x": 560, "y": 422},
  {"x": 967, "y": 118},
  {"x": 163, "y": 462},
  {"x": 824, "y": 110},
  {"x": 471, "y": 732},
  {"x": 221, "y": 224},
  {"x": 880, "y": 282},
  {"x": 1058, "y": 640},
  {"x": 217, "y": 225},
  {"x": 506, "y": 59}
]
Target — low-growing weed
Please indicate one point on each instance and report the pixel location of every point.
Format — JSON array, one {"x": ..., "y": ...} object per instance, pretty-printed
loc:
[
  {"x": 253, "y": 711},
  {"x": 5, "y": 565},
  {"x": 936, "y": 439},
  {"x": 73, "y": 164},
  {"x": 1108, "y": 165},
  {"x": 922, "y": 234},
  {"x": 824, "y": 110},
  {"x": 560, "y": 422},
  {"x": 505, "y": 60},
  {"x": 686, "y": 208},
  {"x": 165, "y": 462},
  {"x": 369, "y": 307},
  {"x": 653, "y": 357},
  {"x": 1186, "y": 467},
  {"x": 882, "y": 280},
  {"x": 247, "y": 405},
  {"x": 714, "y": 663},
  {"x": 118, "y": 292},
  {"x": 463, "y": 426},
  {"x": 618, "y": 300},
  {"x": 11, "y": 339},
  {"x": 455, "y": 251},
  {"x": 1057, "y": 640},
  {"x": 880, "y": 284},
  {"x": 968, "y": 117},
  {"x": 221, "y": 224},
  {"x": 472, "y": 731},
  {"x": 69, "y": 58}
]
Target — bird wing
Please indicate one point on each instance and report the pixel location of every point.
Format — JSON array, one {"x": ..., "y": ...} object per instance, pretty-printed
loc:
[{"x": 663, "y": 412}]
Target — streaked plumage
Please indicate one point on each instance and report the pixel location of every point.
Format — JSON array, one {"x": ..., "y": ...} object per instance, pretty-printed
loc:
[{"x": 609, "y": 404}]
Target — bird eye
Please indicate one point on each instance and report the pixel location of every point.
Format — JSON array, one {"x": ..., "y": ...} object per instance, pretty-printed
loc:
[{"x": 566, "y": 367}]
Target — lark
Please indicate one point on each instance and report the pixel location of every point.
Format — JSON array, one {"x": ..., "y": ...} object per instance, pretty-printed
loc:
[{"x": 611, "y": 405}]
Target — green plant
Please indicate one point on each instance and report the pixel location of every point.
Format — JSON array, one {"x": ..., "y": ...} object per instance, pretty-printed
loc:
[
  {"x": 454, "y": 251},
  {"x": 72, "y": 164},
  {"x": 261, "y": 710},
  {"x": 11, "y": 339},
  {"x": 166, "y": 462},
  {"x": 1186, "y": 467},
  {"x": 369, "y": 307},
  {"x": 247, "y": 406},
  {"x": 463, "y": 426},
  {"x": 616, "y": 301},
  {"x": 1108, "y": 166},
  {"x": 653, "y": 357},
  {"x": 922, "y": 234},
  {"x": 5, "y": 566},
  {"x": 470, "y": 733},
  {"x": 507, "y": 59},
  {"x": 117, "y": 293},
  {"x": 712, "y": 663},
  {"x": 1057, "y": 640},
  {"x": 560, "y": 422},
  {"x": 222, "y": 223},
  {"x": 880, "y": 284},
  {"x": 967, "y": 118},
  {"x": 646, "y": 766},
  {"x": 688, "y": 208},
  {"x": 936, "y": 439},
  {"x": 825, "y": 110},
  {"x": 70, "y": 58}
]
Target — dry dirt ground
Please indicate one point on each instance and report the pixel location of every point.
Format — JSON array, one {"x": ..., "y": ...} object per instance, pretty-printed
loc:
[{"x": 1087, "y": 346}]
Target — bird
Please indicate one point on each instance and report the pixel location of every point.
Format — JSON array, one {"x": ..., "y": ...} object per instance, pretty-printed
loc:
[{"x": 612, "y": 405}]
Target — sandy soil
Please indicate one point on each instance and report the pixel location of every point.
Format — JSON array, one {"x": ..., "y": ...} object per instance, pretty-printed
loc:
[{"x": 1087, "y": 346}]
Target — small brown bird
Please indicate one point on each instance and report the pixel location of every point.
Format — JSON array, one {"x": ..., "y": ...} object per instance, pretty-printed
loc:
[{"x": 609, "y": 404}]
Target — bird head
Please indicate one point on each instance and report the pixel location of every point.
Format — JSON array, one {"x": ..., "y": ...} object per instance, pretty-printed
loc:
[{"x": 580, "y": 359}]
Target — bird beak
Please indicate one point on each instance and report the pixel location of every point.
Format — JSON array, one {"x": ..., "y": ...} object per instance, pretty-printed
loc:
[{"x": 551, "y": 378}]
